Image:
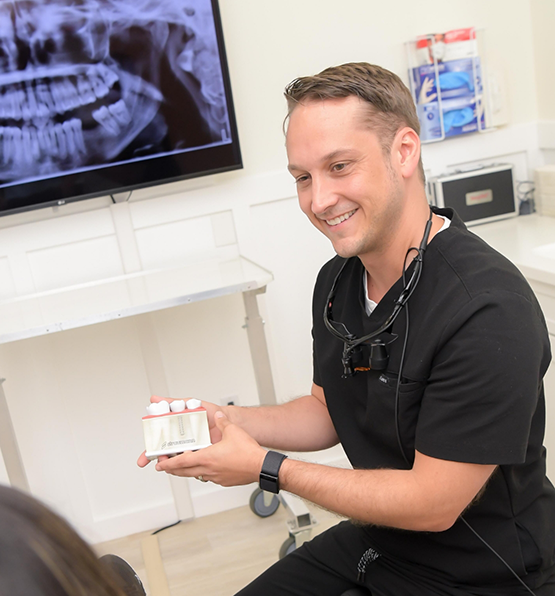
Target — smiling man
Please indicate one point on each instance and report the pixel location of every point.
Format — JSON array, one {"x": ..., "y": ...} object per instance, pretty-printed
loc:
[{"x": 429, "y": 353}]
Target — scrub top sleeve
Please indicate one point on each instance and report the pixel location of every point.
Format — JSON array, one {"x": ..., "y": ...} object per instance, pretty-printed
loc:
[{"x": 484, "y": 385}]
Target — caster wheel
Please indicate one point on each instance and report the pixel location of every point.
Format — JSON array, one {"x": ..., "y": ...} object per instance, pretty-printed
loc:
[
  {"x": 258, "y": 507},
  {"x": 287, "y": 547}
]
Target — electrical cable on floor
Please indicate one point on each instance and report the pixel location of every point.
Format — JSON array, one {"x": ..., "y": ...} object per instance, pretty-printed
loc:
[{"x": 166, "y": 527}]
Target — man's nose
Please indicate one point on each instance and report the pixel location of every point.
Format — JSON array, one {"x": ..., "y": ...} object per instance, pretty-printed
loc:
[{"x": 324, "y": 196}]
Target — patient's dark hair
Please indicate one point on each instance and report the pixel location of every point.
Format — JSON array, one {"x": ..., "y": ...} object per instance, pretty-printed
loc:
[
  {"x": 41, "y": 555},
  {"x": 388, "y": 103}
]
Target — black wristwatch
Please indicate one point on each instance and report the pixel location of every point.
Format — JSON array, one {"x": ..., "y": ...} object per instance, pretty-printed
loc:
[{"x": 269, "y": 475}]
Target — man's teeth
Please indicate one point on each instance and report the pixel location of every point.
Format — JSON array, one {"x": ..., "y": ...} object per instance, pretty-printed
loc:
[{"x": 338, "y": 220}]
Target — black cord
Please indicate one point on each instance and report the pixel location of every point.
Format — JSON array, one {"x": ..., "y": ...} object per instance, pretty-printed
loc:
[
  {"x": 166, "y": 527},
  {"x": 496, "y": 554},
  {"x": 401, "y": 363},
  {"x": 124, "y": 200}
]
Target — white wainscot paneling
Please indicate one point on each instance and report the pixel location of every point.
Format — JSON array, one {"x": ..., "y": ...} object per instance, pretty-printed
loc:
[
  {"x": 78, "y": 262},
  {"x": 76, "y": 400},
  {"x": 170, "y": 243},
  {"x": 7, "y": 286}
]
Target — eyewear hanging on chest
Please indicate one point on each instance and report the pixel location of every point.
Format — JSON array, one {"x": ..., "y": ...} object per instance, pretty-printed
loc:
[{"x": 351, "y": 343}]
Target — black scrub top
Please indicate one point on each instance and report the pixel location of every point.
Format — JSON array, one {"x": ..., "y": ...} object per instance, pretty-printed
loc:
[{"x": 471, "y": 391}]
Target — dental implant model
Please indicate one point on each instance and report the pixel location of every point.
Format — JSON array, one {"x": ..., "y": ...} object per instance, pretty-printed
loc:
[{"x": 174, "y": 428}]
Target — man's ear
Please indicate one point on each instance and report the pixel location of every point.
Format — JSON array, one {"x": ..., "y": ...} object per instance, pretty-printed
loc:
[{"x": 406, "y": 151}]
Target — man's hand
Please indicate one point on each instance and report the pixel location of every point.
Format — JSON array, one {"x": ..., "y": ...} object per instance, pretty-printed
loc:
[
  {"x": 211, "y": 409},
  {"x": 235, "y": 460}
]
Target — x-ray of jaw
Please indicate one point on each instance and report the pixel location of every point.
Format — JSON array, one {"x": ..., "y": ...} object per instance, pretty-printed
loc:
[{"x": 91, "y": 82}]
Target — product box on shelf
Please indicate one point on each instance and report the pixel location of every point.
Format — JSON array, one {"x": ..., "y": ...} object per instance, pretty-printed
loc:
[
  {"x": 458, "y": 84},
  {"x": 446, "y": 81},
  {"x": 461, "y": 115},
  {"x": 454, "y": 79}
]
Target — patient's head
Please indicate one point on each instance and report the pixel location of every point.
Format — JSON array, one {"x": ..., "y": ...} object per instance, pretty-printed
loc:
[{"x": 40, "y": 554}]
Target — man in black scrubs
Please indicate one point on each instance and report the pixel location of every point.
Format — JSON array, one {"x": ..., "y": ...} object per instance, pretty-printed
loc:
[{"x": 429, "y": 354}]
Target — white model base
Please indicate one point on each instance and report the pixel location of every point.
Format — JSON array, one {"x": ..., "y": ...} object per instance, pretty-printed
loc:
[
  {"x": 172, "y": 451},
  {"x": 176, "y": 432}
]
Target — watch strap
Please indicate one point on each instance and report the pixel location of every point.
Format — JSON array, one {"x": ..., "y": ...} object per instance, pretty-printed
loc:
[{"x": 269, "y": 474}]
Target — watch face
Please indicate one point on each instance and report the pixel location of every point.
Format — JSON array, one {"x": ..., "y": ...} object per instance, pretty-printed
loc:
[{"x": 269, "y": 483}]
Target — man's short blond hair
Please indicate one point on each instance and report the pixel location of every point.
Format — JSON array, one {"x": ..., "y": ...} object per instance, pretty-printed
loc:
[{"x": 388, "y": 102}]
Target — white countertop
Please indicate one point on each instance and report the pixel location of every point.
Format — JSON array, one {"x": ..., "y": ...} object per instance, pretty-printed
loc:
[
  {"x": 527, "y": 240},
  {"x": 128, "y": 295}
]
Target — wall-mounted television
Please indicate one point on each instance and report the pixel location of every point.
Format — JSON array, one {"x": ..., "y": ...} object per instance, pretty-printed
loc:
[{"x": 99, "y": 97}]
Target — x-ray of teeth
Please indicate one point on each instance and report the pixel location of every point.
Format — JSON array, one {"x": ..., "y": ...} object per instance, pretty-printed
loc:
[{"x": 97, "y": 82}]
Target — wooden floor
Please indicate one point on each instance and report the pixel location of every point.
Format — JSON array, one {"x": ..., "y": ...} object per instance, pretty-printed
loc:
[{"x": 215, "y": 555}]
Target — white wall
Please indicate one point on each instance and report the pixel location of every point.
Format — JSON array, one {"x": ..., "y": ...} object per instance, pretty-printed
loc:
[
  {"x": 543, "y": 17},
  {"x": 83, "y": 463}
]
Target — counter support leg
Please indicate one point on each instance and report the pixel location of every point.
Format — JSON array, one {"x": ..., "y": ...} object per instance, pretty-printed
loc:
[
  {"x": 158, "y": 385},
  {"x": 9, "y": 446},
  {"x": 254, "y": 325}
]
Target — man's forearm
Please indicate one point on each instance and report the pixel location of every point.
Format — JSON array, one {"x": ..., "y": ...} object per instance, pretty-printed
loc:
[
  {"x": 302, "y": 424},
  {"x": 429, "y": 497}
]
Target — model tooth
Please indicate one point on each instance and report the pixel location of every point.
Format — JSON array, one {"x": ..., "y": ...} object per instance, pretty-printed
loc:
[
  {"x": 193, "y": 404},
  {"x": 177, "y": 405},
  {"x": 106, "y": 120},
  {"x": 157, "y": 409},
  {"x": 120, "y": 112}
]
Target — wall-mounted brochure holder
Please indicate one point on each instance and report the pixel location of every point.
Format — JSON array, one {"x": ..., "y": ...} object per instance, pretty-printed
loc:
[{"x": 447, "y": 74}]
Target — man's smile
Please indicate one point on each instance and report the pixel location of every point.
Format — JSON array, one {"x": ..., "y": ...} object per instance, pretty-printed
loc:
[{"x": 337, "y": 220}]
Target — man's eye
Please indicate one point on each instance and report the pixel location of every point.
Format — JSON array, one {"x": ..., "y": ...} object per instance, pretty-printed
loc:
[
  {"x": 338, "y": 167},
  {"x": 301, "y": 179}
]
